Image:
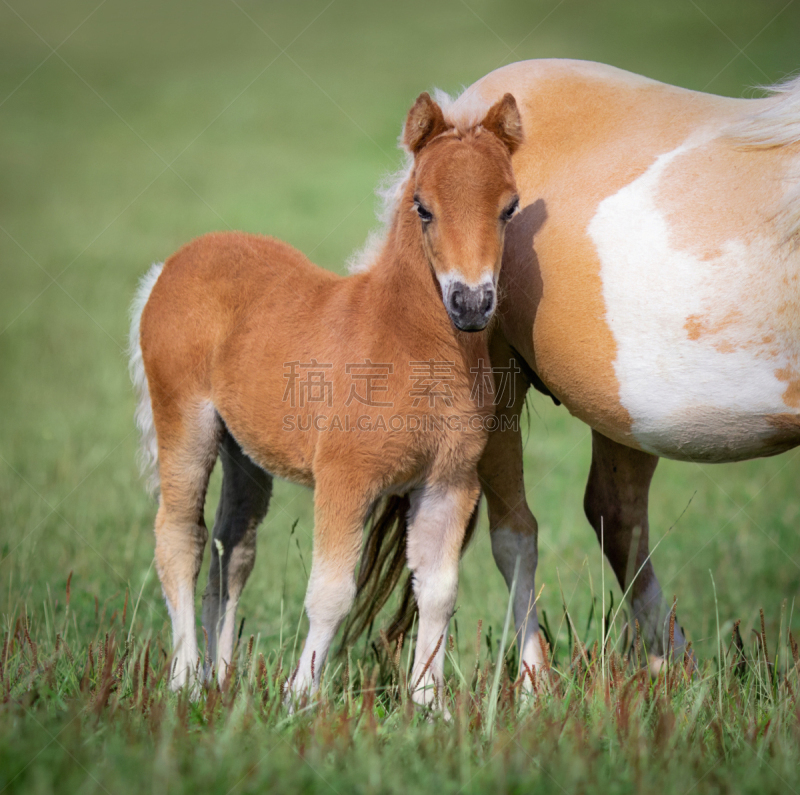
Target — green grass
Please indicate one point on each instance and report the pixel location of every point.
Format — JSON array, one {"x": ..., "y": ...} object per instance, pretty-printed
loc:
[
  {"x": 154, "y": 123},
  {"x": 100, "y": 719}
]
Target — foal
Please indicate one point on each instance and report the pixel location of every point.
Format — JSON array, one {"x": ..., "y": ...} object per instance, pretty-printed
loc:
[{"x": 359, "y": 387}]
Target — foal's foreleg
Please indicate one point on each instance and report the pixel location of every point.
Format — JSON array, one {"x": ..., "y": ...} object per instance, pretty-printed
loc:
[
  {"x": 438, "y": 519},
  {"x": 616, "y": 506},
  {"x": 246, "y": 490},
  {"x": 339, "y": 516}
]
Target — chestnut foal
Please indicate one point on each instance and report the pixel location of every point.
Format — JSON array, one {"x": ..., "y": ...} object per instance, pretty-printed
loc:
[{"x": 222, "y": 337}]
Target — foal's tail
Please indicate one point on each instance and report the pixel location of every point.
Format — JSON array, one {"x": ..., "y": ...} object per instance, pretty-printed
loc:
[
  {"x": 382, "y": 564},
  {"x": 148, "y": 449}
]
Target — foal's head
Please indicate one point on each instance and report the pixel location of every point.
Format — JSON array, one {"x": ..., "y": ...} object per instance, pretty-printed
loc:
[{"x": 464, "y": 194}]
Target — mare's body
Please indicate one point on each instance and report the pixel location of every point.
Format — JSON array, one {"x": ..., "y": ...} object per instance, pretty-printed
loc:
[{"x": 652, "y": 283}]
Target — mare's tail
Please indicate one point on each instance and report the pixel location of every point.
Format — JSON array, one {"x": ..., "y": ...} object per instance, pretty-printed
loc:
[
  {"x": 148, "y": 449},
  {"x": 382, "y": 564}
]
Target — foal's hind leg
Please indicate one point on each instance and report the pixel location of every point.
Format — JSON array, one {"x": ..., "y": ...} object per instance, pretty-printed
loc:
[
  {"x": 438, "y": 519},
  {"x": 616, "y": 503},
  {"x": 187, "y": 451},
  {"x": 246, "y": 489}
]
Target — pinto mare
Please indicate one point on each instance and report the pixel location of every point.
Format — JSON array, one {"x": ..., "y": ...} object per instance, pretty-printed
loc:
[
  {"x": 244, "y": 349},
  {"x": 651, "y": 284}
]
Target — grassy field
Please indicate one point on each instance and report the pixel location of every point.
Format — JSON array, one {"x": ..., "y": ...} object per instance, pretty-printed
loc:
[{"x": 125, "y": 130}]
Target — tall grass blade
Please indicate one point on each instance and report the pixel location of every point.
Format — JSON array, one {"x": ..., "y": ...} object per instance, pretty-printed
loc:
[
  {"x": 138, "y": 598},
  {"x": 492, "y": 707}
]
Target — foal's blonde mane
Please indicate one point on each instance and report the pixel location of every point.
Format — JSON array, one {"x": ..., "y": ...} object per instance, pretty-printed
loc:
[
  {"x": 777, "y": 125},
  {"x": 465, "y": 112}
]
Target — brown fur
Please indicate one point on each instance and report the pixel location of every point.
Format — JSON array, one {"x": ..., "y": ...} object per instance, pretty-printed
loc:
[{"x": 230, "y": 311}]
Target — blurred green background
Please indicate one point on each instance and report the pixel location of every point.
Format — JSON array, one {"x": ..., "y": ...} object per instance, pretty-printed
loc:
[{"x": 128, "y": 128}]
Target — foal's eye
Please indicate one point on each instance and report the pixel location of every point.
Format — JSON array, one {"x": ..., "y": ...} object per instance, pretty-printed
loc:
[
  {"x": 425, "y": 215},
  {"x": 510, "y": 211}
]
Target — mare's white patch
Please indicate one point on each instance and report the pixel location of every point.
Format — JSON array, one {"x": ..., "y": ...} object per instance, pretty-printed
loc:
[{"x": 701, "y": 395}]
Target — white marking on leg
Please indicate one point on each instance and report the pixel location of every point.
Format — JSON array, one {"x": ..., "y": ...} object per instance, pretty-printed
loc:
[
  {"x": 329, "y": 598},
  {"x": 437, "y": 527},
  {"x": 227, "y": 637},
  {"x": 184, "y": 639},
  {"x": 507, "y": 545}
]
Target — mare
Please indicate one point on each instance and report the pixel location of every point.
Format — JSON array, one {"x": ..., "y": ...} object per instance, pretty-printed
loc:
[{"x": 651, "y": 284}]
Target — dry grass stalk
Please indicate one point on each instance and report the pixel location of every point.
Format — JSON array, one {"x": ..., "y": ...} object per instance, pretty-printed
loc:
[
  {"x": 672, "y": 614},
  {"x": 545, "y": 647},
  {"x": 764, "y": 637},
  {"x": 638, "y": 643},
  {"x": 33, "y": 647},
  {"x": 429, "y": 661}
]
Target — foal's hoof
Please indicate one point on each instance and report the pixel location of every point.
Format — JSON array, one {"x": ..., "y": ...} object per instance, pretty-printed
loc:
[
  {"x": 657, "y": 663},
  {"x": 297, "y": 697},
  {"x": 186, "y": 682},
  {"x": 432, "y": 709}
]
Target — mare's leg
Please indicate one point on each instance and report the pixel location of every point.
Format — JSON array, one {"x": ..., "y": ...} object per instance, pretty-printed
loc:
[
  {"x": 616, "y": 500},
  {"x": 437, "y": 521},
  {"x": 246, "y": 489},
  {"x": 187, "y": 450},
  {"x": 513, "y": 528},
  {"x": 339, "y": 514}
]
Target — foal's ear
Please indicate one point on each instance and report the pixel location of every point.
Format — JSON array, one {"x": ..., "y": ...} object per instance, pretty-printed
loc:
[
  {"x": 504, "y": 121},
  {"x": 425, "y": 121}
]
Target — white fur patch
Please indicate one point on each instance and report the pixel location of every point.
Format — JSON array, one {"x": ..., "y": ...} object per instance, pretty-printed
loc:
[
  {"x": 701, "y": 396},
  {"x": 507, "y": 545},
  {"x": 148, "y": 451},
  {"x": 184, "y": 636},
  {"x": 330, "y": 595},
  {"x": 434, "y": 543},
  {"x": 447, "y": 280}
]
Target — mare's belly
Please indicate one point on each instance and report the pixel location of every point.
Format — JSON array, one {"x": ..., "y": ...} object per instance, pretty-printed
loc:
[{"x": 714, "y": 434}]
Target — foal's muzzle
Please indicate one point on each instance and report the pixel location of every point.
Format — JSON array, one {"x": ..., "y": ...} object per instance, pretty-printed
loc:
[{"x": 470, "y": 308}]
